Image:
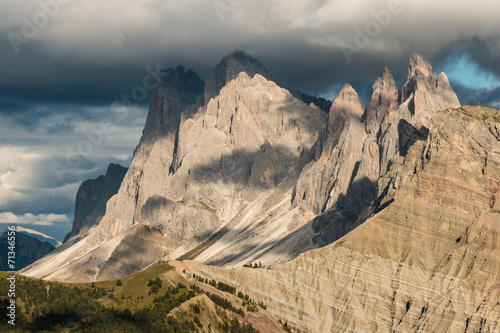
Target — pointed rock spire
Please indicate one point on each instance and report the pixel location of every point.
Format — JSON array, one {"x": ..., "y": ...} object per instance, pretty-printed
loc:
[
  {"x": 424, "y": 92},
  {"x": 419, "y": 65},
  {"x": 385, "y": 99},
  {"x": 347, "y": 103},
  {"x": 346, "y": 106}
]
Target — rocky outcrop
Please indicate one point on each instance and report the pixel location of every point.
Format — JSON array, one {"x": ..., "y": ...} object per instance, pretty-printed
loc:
[
  {"x": 327, "y": 178},
  {"x": 348, "y": 178},
  {"x": 28, "y": 249},
  {"x": 428, "y": 261},
  {"x": 91, "y": 200}
]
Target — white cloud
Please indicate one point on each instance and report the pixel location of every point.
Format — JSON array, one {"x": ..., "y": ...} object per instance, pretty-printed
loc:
[{"x": 42, "y": 219}]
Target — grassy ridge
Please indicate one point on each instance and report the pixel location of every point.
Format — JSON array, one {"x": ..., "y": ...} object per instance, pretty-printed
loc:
[{"x": 153, "y": 300}]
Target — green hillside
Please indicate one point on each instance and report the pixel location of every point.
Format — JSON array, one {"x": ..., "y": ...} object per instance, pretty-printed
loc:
[{"x": 155, "y": 300}]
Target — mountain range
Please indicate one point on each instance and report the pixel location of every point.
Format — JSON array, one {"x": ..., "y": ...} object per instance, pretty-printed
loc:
[
  {"x": 377, "y": 218},
  {"x": 31, "y": 246}
]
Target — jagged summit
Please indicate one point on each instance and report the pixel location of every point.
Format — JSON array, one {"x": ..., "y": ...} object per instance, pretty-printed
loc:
[
  {"x": 424, "y": 91},
  {"x": 348, "y": 103},
  {"x": 385, "y": 99},
  {"x": 419, "y": 65},
  {"x": 201, "y": 167},
  {"x": 229, "y": 68}
]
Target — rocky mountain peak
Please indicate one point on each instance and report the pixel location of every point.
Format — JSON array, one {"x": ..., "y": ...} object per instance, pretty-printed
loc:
[
  {"x": 385, "y": 100},
  {"x": 424, "y": 92},
  {"x": 346, "y": 104},
  {"x": 229, "y": 68},
  {"x": 418, "y": 64}
]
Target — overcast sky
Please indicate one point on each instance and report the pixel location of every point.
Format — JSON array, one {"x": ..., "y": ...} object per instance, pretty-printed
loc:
[{"x": 64, "y": 62}]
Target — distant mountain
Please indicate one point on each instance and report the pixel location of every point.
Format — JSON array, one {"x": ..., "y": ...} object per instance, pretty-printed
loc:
[
  {"x": 28, "y": 248},
  {"x": 38, "y": 235}
]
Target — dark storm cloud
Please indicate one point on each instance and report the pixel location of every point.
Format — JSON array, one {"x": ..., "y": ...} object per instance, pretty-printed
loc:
[
  {"x": 34, "y": 76},
  {"x": 90, "y": 53},
  {"x": 468, "y": 96}
]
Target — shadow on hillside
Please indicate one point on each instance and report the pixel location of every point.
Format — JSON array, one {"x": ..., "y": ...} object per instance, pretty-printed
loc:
[
  {"x": 350, "y": 211},
  {"x": 265, "y": 168}
]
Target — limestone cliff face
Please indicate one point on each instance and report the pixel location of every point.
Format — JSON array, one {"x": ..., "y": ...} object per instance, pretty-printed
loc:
[
  {"x": 153, "y": 158},
  {"x": 91, "y": 200},
  {"x": 222, "y": 172},
  {"x": 428, "y": 261},
  {"x": 345, "y": 183},
  {"x": 341, "y": 147}
]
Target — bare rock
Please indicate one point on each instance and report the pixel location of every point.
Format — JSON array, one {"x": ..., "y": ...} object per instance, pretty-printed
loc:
[
  {"x": 428, "y": 260},
  {"x": 91, "y": 200},
  {"x": 426, "y": 92},
  {"x": 229, "y": 68},
  {"x": 385, "y": 100},
  {"x": 324, "y": 180}
]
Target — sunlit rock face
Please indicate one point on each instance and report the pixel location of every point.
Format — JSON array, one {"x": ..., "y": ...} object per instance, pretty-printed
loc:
[
  {"x": 427, "y": 261},
  {"x": 220, "y": 160},
  {"x": 378, "y": 219}
]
